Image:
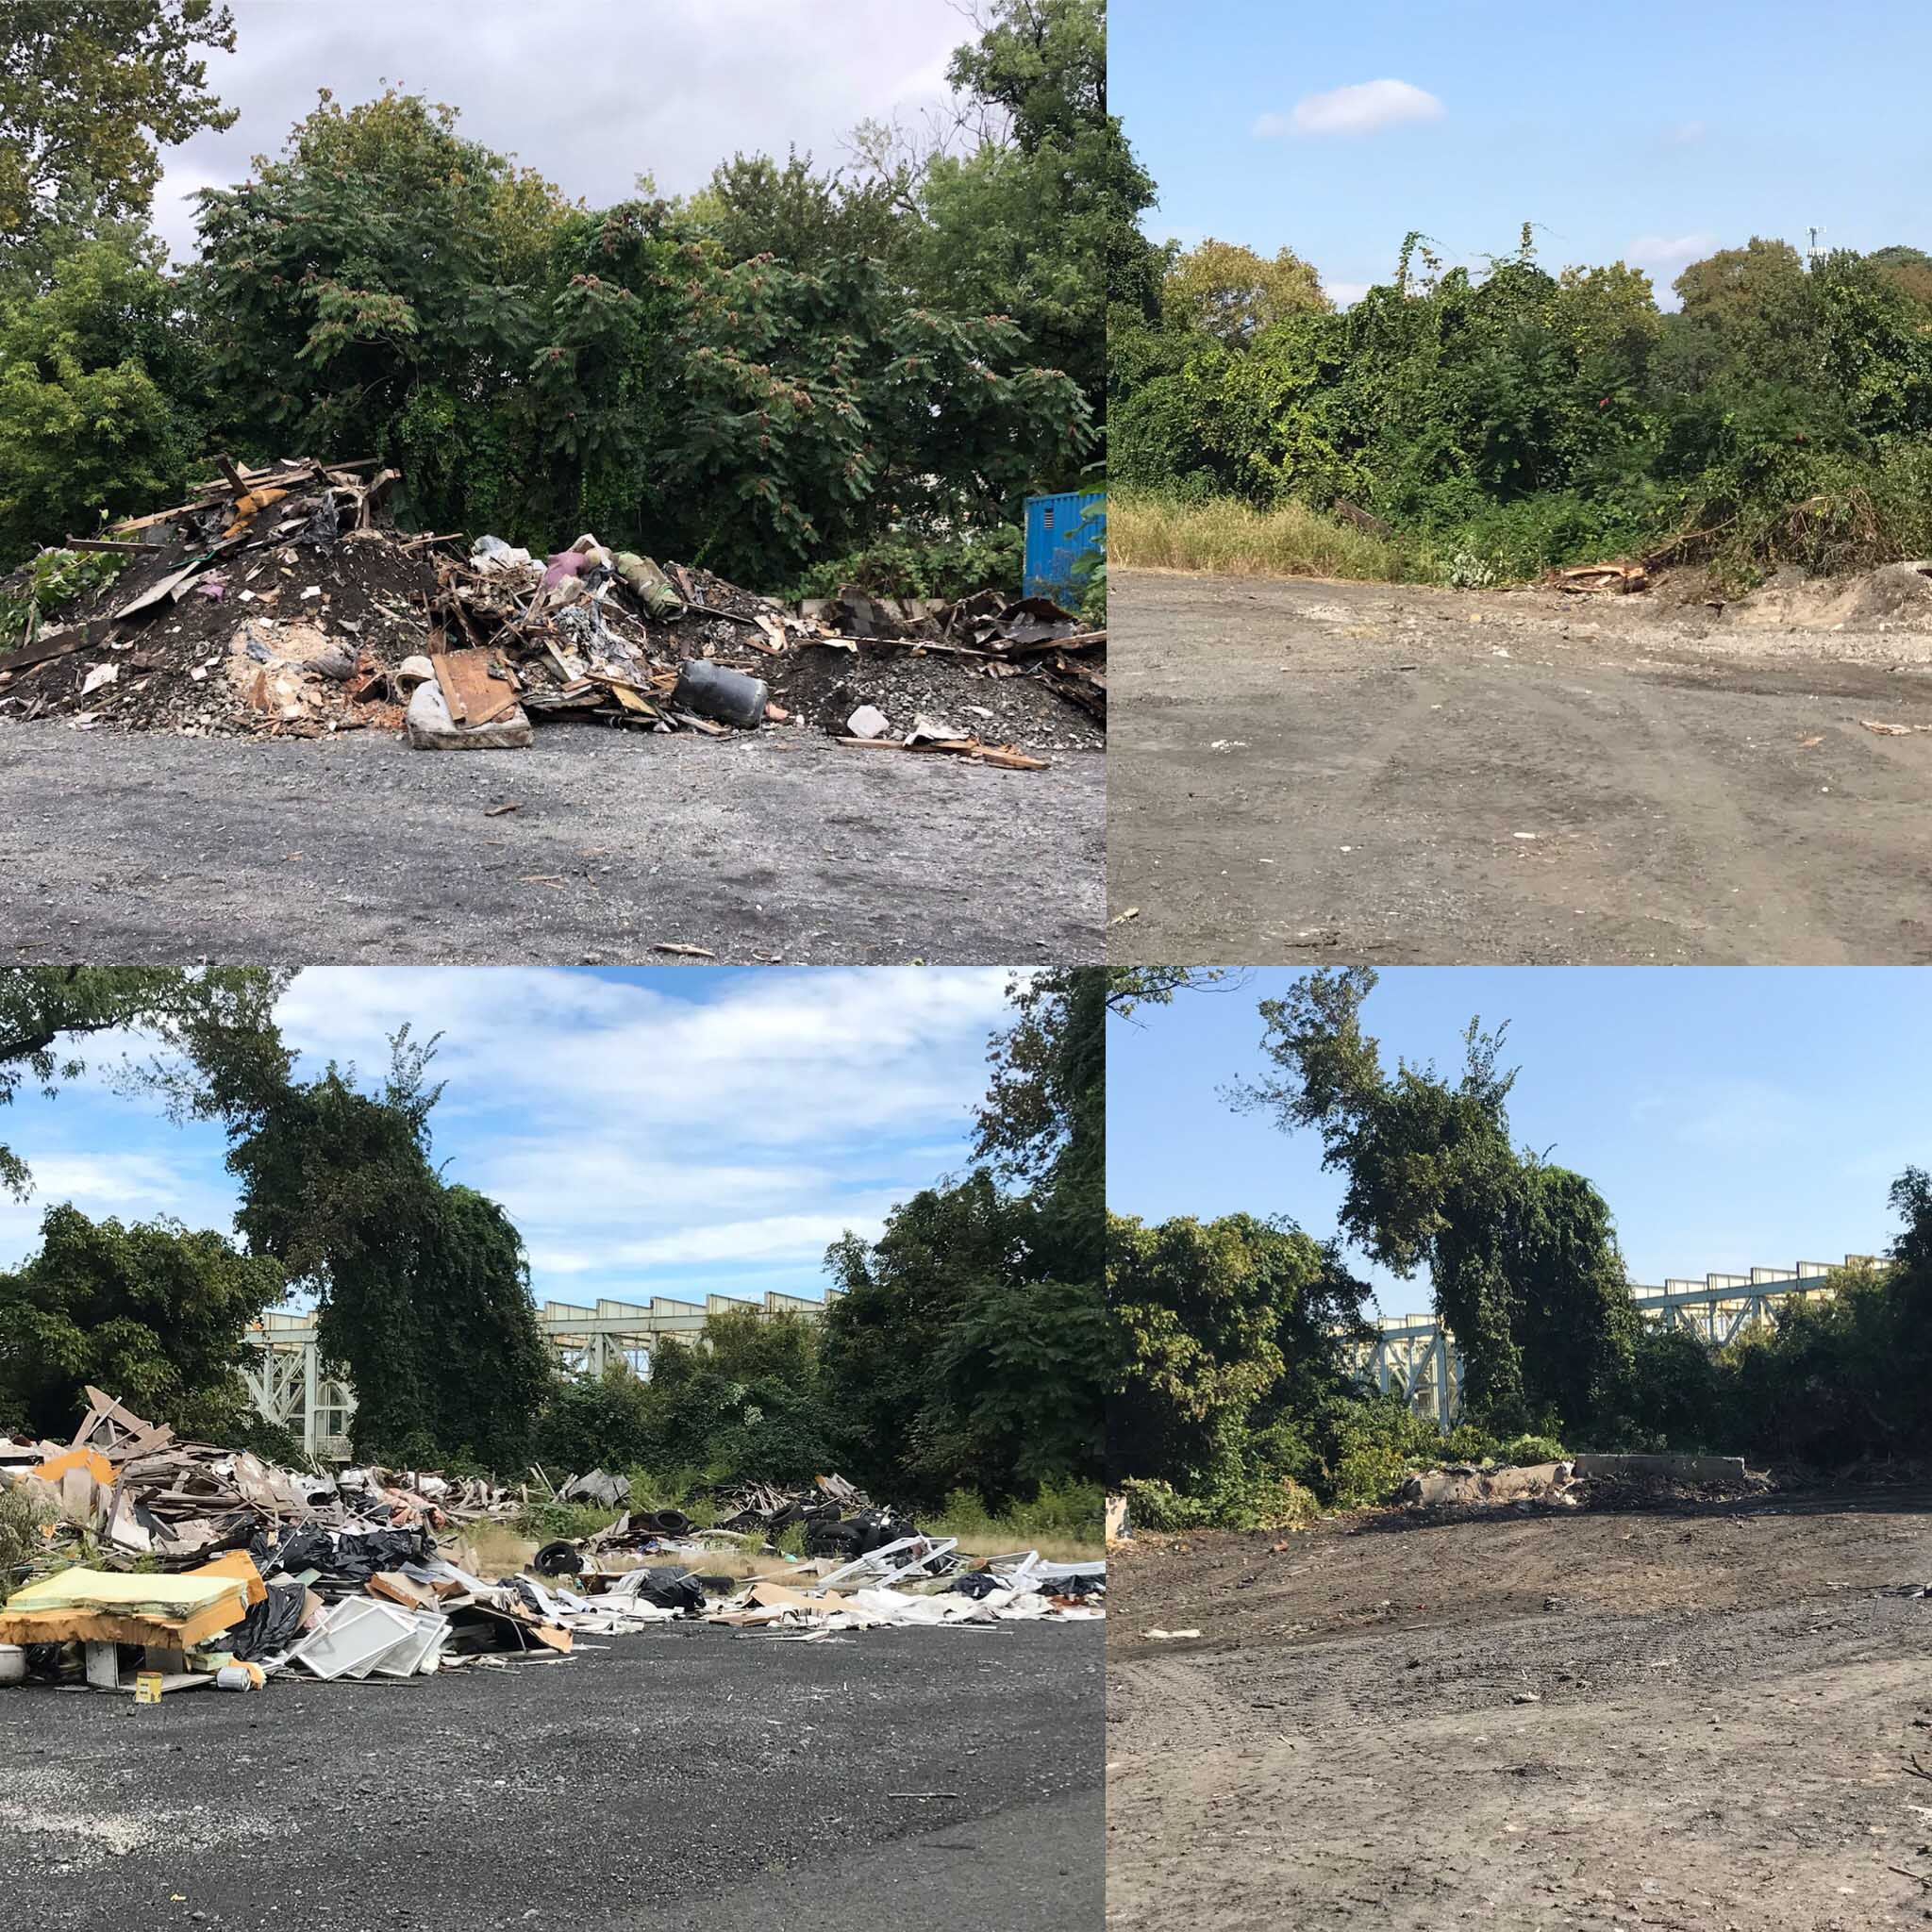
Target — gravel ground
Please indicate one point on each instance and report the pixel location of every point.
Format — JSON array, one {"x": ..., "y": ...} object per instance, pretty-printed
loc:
[
  {"x": 687, "y": 1777},
  {"x": 159, "y": 848},
  {"x": 1700, "y": 1719},
  {"x": 1363, "y": 772}
]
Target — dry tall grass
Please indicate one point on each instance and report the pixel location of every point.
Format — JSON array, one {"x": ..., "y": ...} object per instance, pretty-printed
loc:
[{"x": 1232, "y": 539}]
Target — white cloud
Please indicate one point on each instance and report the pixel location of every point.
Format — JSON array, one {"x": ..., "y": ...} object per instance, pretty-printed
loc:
[
  {"x": 814, "y": 1059},
  {"x": 1685, "y": 133},
  {"x": 124, "y": 1185},
  {"x": 1671, "y": 250},
  {"x": 653, "y": 1131},
  {"x": 1344, "y": 295},
  {"x": 665, "y": 1135},
  {"x": 1365, "y": 107}
]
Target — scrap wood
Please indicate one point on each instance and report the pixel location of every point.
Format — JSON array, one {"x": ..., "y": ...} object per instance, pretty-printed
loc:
[
  {"x": 961, "y": 747},
  {"x": 1617, "y": 576},
  {"x": 471, "y": 687},
  {"x": 683, "y": 952}
]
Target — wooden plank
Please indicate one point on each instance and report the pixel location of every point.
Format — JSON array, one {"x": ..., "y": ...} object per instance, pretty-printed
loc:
[
  {"x": 452, "y": 691},
  {"x": 98, "y": 544},
  {"x": 464, "y": 678},
  {"x": 59, "y": 643}
]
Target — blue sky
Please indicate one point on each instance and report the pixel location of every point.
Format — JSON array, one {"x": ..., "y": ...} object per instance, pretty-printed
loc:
[
  {"x": 1649, "y": 132},
  {"x": 673, "y": 1132},
  {"x": 1732, "y": 1118}
]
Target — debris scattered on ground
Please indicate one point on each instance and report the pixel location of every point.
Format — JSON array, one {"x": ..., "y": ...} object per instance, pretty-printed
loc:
[
  {"x": 168, "y": 1565},
  {"x": 1583, "y": 1482},
  {"x": 1587, "y": 579},
  {"x": 284, "y": 601}
]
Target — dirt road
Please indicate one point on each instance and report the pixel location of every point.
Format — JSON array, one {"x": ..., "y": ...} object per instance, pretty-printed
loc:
[
  {"x": 157, "y": 848},
  {"x": 685, "y": 1779},
  {"x": 1698, "y": 1722},
  {"x": 1327, "y": 771}
]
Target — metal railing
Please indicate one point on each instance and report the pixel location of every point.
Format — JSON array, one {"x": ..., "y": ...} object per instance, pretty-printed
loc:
[
  {"x": 1415, "y": 1357},
  {"x": 291, "y": 1385}
]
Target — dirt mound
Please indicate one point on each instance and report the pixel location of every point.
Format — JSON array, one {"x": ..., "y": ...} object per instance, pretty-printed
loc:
[
  {"x": 825, "y": 684},
  {"x": 1895, "y": 594},
  {"x": 1584, "y": 1482},
  {"x": 226, "y": 619}
]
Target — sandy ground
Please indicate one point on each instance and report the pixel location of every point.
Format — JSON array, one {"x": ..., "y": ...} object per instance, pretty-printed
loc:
[
  {"x": 1703, "y": 1722},
  {"x": 687, "y": 1777},
  {"x": 166, "y": 849},
  {"x": 1329, "y": 772}
]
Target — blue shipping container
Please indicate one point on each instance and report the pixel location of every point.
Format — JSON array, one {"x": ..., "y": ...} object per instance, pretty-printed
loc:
[{"x": 1061, "y": 530}]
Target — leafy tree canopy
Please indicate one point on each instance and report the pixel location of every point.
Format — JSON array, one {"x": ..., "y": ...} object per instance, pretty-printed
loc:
[
  {"x": 1522, "y": 1256},
  {"x": 150, "y": 1312},
  {"x": 221, "y": 1049},
  {"x": 1223, "y": 289},
  {"x": 422, "y": 1285},
  {"x": 88, "y": 90}
]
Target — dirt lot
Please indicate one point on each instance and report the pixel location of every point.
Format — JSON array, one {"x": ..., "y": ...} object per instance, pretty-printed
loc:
[
  {"x": 1338, "y": 772},
  {"x": 784, "y": 846},
  {"x": 686, "y": 1778},
  {"x": 1700, "y": 1721}
]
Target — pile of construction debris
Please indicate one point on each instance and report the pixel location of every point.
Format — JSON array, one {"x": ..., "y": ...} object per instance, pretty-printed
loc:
[
  {"x": 167, "y": 1565},
  {"x": 284, "y": 601},
  {"x": 210, "y": 1566},
  {"x": 1581, "y": 1482}
]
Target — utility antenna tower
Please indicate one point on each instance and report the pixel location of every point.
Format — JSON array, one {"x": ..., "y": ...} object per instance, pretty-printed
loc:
[{"x": 1813, "y": 253}]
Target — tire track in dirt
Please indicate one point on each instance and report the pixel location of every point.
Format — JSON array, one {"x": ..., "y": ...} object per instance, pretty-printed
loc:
[{"x": 1352, "y": 771}]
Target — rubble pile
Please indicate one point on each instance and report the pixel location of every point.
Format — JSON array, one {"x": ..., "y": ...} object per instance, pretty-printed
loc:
[
  {"x": 1582, "y": 1482},
  {"x": 168, "y": 1565},
  {"x": 285, "y": 602}
]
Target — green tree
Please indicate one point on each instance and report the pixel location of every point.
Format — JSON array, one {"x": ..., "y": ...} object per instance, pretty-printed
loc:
[
  {"x": 89, "y": 88},
  {"x": 385, "y": 283},
  {"x": 220, "y": 1050},
  {"x": 1041, "y": 222},
  {"x": 968, "y": 1349},
  {"x": 1220, "y": 1328},
  {"x": 151, "y": 1312},
  {"x": 422, "y": 1285},
  {"x": 1522, "y": 1256},
  {"x": 807, "y": 220},
  {"x": 99, "y": 373},
  {"x": 1222, "y": 290},
  {"x": 746, "y": 1403}
]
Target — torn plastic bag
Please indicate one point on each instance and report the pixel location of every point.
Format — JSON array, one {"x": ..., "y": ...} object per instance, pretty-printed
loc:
[
  {"x": 270, "y": 1625},
  {"x": 344, "y": 1555},
  {"x": 665, "y": 1585}
]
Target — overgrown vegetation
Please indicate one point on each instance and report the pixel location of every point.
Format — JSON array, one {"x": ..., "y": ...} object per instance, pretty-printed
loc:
[
  {"x": 1235, "y": 1402},
  {"x": 959, "y": 1371},
  {"x": 962, "y": 1372},
  {"x": 153, "y": 1313},
  {"x": 872, "y": 363},
  {"x": 1506, "y": 420}
]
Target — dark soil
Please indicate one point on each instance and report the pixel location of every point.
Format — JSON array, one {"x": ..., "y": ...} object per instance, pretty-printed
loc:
[
  {"x": 1698, "y": 1719},
  {"x": 997, "y": 705}
]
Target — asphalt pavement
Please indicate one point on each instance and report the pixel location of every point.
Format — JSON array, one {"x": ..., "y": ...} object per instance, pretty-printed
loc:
[
  {"x": 677, "y": 1780},
  {"x": 592, "y": 847}
]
